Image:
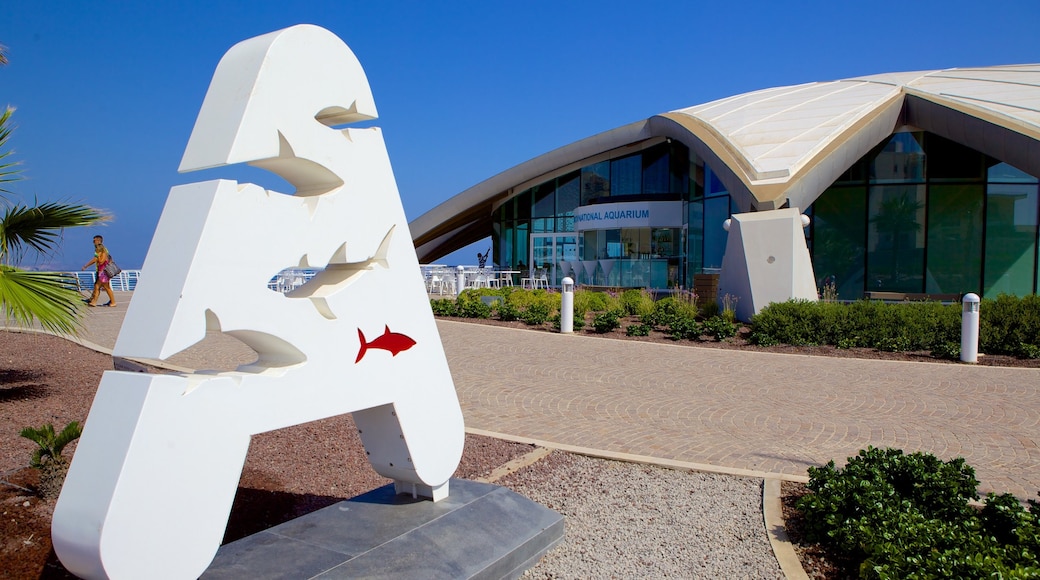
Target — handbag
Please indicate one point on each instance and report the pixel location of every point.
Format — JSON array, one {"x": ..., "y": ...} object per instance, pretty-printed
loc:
[{"x": 111, "y": 269}]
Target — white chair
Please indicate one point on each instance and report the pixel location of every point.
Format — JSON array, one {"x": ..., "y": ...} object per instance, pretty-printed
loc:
[{"x": 540, "y": 279}]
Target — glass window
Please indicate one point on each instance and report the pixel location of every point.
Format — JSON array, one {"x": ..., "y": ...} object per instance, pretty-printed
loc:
[
  {"x": 1011, "y": 228},
  {"x": 523, "y": 205},
  {"x": 948, "y": 160},
  {"x": 697, "y": 175},
  {"x": 1004, "y": 173},
  {"x": 694, "y": 239},
  {"x": 610, "y": 244},
  {"x": 895, "y": 238},
  {"x": 595, "y": 182},
  {"x": 954, "y": 259},
  {"x": 656, "y": 178},
  {"x": 522, "y": 237},
  {"x": 626, "y": 175},
  {"x": 665, "y": 242},
  {"x": 716, "y": 211},
  {"x": 839, "y": 236},
  {"x": 544, "y": 199},
  {"x": 713, "y": 186},
  {"x": 565, "y": 224},
  {"x": 568, "y": 193},
  {"x": 900, "y": 160},
  {"x": 856, "y": 175},
  {"x": 542, "y": 225}
]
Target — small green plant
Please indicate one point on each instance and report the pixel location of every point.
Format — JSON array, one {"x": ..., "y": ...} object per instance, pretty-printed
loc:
[
  {"x": 47, "y": 456},
  {"x": 638, "y": 329},
  {"x": 607, "y": 321},
  {"x": 729, "y": 307},
  {"x": 719, "y": 328}
]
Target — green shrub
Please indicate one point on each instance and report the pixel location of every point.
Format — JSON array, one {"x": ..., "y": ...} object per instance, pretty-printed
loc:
[
  {"x": 536, "y": 314},
  {"x": 668, "y": 311},
  {"x": 638, "y": 329},
  {"x": 469, "y": 305},
  {"x": 710, "y": 309},
  {"x": 507, "y": 311},
  {"x": 684, "y": 328},
  {"x": 607, "y": 321},
  {"x": 1010, "y": 325},
  {"x": 907, "y": 516},
  {"x": 443, "y": 307},
  {"x": 719, "y": 328},
  {"x": 636, "y": 302},
  {"x": 795, "y": 322},
  {"x": 947, "y": 350}
]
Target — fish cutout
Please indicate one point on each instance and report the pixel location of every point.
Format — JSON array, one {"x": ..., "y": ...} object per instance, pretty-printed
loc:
[{"x": 393, "y": 342}]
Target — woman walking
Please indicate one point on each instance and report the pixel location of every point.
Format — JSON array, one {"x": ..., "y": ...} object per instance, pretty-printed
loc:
[{"x": 101, "y": 259}]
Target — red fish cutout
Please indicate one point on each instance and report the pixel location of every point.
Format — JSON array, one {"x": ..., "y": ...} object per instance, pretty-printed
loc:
[{"x": 390, "y": 341}]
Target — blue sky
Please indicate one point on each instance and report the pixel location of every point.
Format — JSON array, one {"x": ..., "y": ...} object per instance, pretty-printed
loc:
[{"x": 107, "y": 92}]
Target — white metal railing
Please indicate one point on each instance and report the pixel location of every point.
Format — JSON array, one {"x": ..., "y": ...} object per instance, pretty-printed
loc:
[{"x": 126, "y": 281}]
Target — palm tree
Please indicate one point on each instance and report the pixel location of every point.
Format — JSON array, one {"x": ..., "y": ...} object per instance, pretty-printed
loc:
[{"x": 28, "y": 296}]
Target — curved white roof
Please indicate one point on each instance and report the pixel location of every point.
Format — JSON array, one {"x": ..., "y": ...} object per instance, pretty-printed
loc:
[{"x": 786, "y": 145}]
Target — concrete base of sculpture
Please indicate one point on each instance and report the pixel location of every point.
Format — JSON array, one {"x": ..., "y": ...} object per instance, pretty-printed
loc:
[{"x": 479, "y": 531}]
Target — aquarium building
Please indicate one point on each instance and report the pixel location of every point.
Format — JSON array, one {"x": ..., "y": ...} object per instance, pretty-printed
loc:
[{"x": 913, "y": 183}]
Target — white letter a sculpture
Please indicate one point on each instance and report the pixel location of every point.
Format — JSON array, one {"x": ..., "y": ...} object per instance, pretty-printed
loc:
[{"x": 155, "y": 473}]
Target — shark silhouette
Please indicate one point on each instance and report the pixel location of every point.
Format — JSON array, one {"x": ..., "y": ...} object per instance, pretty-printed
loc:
[{"x": 389, "y": 341}]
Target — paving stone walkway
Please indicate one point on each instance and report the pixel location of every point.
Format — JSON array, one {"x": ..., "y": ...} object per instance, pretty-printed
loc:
[{"x": 737, "y": 410}]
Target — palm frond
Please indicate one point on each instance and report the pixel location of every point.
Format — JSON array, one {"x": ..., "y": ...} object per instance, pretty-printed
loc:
[
  {"x": 45, "y": 298},
  {"x": 9, "y": 170},
  {"x": 70, "y": 433},
  {"x": 39, "y": 227}
]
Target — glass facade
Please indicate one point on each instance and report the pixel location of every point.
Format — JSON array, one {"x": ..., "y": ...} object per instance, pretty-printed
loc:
[
  {"x": 923, "y": 214},
  {"x": 918, "y": 214},
  {"x": 622, "y": 257}
]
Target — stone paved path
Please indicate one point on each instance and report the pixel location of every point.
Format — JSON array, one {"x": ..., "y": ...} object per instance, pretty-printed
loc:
[
  {"x": 761, "y": 412},
  {"x": 764, "y": 412}
]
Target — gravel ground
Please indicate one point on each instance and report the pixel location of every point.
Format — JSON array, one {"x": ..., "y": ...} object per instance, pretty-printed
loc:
[{"x": 626, "y": 520}]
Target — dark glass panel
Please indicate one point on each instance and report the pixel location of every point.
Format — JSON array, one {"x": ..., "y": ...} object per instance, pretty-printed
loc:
[
  {"x": 544, "y": 197},
  {"x": 510, "y": 256},
  {"x": 954, "y": 238},
  {"x": 1011, "y": 229},
  {"x": 522, "y": 238},
  {"x": 948, "y": 160},
  {"x": 900, "y": 160},
  {"x": 565, "y": 224},
  {"x": 713, "y": 186},
  {"x": 694, "y": 239},
  {"x": 656, "y": 164},
  {"x": 595, "y": 182},
  {"x": 716, "y": 211},
  {"x": 611, "y": 244},
  {"x": 523, "y": 205},
  {"x": 839, "y": 236},
  {"x": 679, "y": 162},
  {"x": 568, "y": 193},
  {"x": 895, "y": 238},
  {"x": 697, "y": 176},
  {"x": 626, "y": 175},
  {"x": 665, "y": 242},
  {"x": 1004, "y": 173},
  {"x": 856, "y": 175}
]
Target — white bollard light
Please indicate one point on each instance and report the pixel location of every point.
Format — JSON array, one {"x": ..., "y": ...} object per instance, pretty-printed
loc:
[
  {"x": 970, "y": 328},
  {"x": 567, "y": 306},
  {"x": 460, "y": 282}
]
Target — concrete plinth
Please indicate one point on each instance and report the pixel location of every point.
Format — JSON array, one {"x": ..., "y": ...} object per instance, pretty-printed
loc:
[{"x": 479, "y": 531}]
